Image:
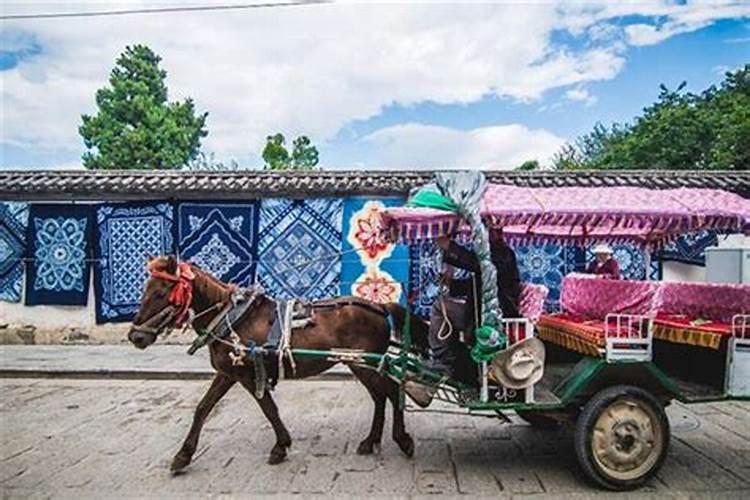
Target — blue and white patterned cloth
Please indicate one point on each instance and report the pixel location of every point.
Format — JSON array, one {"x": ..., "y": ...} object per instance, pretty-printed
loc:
[
  {"x": 220, "y": 238},
  {"x": 630, "y": 258},
  {"x": 690, "y": 248},
  {"x": 13, "y": 220},
  {"x": 60, "y": 252},
  {"x": 424, "y": 276},
  {"x": 126, "y": 236},
  {"x": 546, "y": 265},
  {"x": 540, "y": 264},
  {"x": 299, "y": 245}
]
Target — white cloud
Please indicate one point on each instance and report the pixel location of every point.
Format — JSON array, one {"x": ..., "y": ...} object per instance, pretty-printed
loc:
[
  {"x": 312, "y": 70},
  {"x": 684, "y": 19},
  {"x": 504, "y": 147},
  {"x": 582, "y": 95}
]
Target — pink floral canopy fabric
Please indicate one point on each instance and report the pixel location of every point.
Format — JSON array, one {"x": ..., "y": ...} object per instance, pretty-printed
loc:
[{"x": 648, "y": 217}]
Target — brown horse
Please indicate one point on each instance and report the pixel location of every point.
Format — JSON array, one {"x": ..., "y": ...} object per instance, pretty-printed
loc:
[{"x": 353, "y": 324}]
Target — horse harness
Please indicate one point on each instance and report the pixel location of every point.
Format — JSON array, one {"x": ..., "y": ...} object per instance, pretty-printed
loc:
[{"x": 289, "y": 315}]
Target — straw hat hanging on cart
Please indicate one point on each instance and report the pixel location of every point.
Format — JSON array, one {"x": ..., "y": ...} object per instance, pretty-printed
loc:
[{"x": 520, "y": 365}]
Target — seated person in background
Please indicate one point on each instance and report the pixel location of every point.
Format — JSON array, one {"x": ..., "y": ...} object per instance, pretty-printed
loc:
[
  {"x": 604, "y": 265},
  {"x": 451, "y": 315}
]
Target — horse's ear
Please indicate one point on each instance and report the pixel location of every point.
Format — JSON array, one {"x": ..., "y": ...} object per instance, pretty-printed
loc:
[{"x": 171, "y": 265}]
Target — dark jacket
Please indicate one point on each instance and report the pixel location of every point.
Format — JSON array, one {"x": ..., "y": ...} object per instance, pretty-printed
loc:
[
  {"x": 508, "y": 279},
  {"x": 609, "y": 269}
]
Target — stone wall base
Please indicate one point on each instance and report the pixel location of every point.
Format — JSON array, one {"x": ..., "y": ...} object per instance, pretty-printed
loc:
[{"x": 29, "y": 334}]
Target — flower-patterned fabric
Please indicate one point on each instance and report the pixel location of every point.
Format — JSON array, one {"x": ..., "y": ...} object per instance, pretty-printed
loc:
[
  {"x": 575, "y": 214},
  {"x": 708, "y": 301},
  {"x": 591, "y": 297},
  {"x": 533, "y": 297},
  {"x": 372, "y": 267}
]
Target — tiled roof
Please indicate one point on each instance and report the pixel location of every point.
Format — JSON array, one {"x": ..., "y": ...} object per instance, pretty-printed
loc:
[{"x": 125, "y": 185}]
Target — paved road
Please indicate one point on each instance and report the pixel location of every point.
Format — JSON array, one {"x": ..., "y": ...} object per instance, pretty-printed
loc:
[{"x": 115, "y": 439}]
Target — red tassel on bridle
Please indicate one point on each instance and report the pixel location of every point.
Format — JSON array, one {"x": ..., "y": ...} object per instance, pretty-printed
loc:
[{"x": 182, "y": 292}]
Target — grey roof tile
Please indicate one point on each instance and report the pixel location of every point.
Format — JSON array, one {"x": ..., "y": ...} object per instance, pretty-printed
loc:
[{"x": 126, "y": 185}]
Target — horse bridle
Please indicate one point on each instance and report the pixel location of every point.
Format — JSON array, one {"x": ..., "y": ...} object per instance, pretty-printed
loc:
[
  {"x": 177, "y": 311},
  {"x": 165, "y": 317}
]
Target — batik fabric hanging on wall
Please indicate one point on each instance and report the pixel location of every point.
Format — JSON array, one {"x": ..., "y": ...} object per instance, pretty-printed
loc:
[
  {"x": 13, "y": 221},
  {"x": 299, "y": 247},
  {"x": 630, "y": 258},
  {"x": 425, "y": 265},
  {"x": 59, "y": 251},
  {"x": 220, "y": 238},
  {"x": 546, "y": 265},
  {"x": 690, "y": 248},
  {"x": 372, "y": 268},
  {"x": 126, "y": 236}
]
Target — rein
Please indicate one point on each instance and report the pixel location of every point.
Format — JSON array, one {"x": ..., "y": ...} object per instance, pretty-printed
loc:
[{"x": 177, "y": 312}]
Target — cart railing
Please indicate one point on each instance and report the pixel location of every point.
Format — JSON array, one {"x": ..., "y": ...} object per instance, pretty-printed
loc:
[
  {"x": 741, "y": 326},
  {"x": 628, "y": 337},
  {"x": 738, "y": 357}
]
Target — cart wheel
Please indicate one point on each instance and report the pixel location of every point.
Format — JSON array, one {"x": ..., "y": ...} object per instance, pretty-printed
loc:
[
  {"x": 538, "y": 419},
  {"x": 621, "y": 437}
]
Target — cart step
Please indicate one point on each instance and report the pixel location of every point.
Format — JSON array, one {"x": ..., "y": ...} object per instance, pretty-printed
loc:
[{"x": 544, "y": 396}]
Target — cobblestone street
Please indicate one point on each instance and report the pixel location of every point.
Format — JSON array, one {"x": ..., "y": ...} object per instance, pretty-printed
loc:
[{"x": 115, "y": 438}]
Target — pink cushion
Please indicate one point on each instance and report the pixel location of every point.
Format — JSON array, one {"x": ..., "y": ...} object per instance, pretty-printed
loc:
[
  {"x": 713, "y": 301},
  {"x": 590, "y": 297},
  {"x": 531, "y": 303}
]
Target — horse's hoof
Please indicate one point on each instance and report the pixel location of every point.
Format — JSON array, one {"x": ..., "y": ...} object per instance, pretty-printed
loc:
[
  {"x": 277, "y": 456},
  {"x": 179, "y": 463},
  {"x": 365, "y": 448},
  {"x": 406, "y": 443}
]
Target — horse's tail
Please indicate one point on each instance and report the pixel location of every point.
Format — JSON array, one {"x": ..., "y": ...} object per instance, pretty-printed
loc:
[{"x": 419, "y": 328}]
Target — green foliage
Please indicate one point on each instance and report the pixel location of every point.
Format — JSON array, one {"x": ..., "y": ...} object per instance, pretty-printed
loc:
[
  {"x": 135, "y": 127},
  {"x": 208, "y": 163},
  {"x": 304, "y": 155},
  {"x": 680, "y": 131},
  {"x": 529, "y": 165}
]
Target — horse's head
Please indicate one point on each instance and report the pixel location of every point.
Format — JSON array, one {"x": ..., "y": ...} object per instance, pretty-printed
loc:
[{"x": 165, "y": 302}]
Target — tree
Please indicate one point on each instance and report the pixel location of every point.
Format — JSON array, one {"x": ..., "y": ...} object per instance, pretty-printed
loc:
[
  {"x": 681, "y": 130},
  {"x": 207, "y": 162},
  {"x": 135, "y": 127},
  {"x": 304, "y": 155},
  {"x": 529, "y": 165}
]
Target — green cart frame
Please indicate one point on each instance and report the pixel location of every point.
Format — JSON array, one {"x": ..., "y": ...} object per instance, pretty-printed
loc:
[{"x": 615, "y": 403}]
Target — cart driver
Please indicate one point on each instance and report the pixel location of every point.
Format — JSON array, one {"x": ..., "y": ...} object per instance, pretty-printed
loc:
[{"x": 460, "y": 309}]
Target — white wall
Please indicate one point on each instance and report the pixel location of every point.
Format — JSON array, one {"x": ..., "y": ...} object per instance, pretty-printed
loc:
[{"x": 677, "y": 271}]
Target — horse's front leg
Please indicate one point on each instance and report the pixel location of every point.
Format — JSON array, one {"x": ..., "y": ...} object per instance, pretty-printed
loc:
[
  {"x": 219, "y": 387},
  {"x": 268, "y": 406}
]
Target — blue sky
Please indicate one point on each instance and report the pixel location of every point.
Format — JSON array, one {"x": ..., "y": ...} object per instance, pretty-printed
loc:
[{"x": 404, "y": 86}]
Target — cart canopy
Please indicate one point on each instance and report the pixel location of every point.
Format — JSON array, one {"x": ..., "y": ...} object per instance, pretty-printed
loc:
[{"x": 576, "y": 215}]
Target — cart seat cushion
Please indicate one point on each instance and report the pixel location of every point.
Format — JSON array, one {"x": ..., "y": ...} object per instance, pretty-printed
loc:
[
  {"x": 683, "y": 329},
  {"x": 590, "y": 297},
  {"x": 709, "y": 301},
  {"x": 531, "y": 303},
  {"x": 579, "y": 333}
]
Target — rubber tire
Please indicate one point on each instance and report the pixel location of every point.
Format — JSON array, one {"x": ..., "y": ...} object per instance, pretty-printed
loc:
[
  {"x": 538, "y": 420},
  {"x": 584, "y": 431}
]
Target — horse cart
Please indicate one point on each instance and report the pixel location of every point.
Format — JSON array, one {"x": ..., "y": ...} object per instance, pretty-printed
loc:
[{"x": 616, "y": 354}]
